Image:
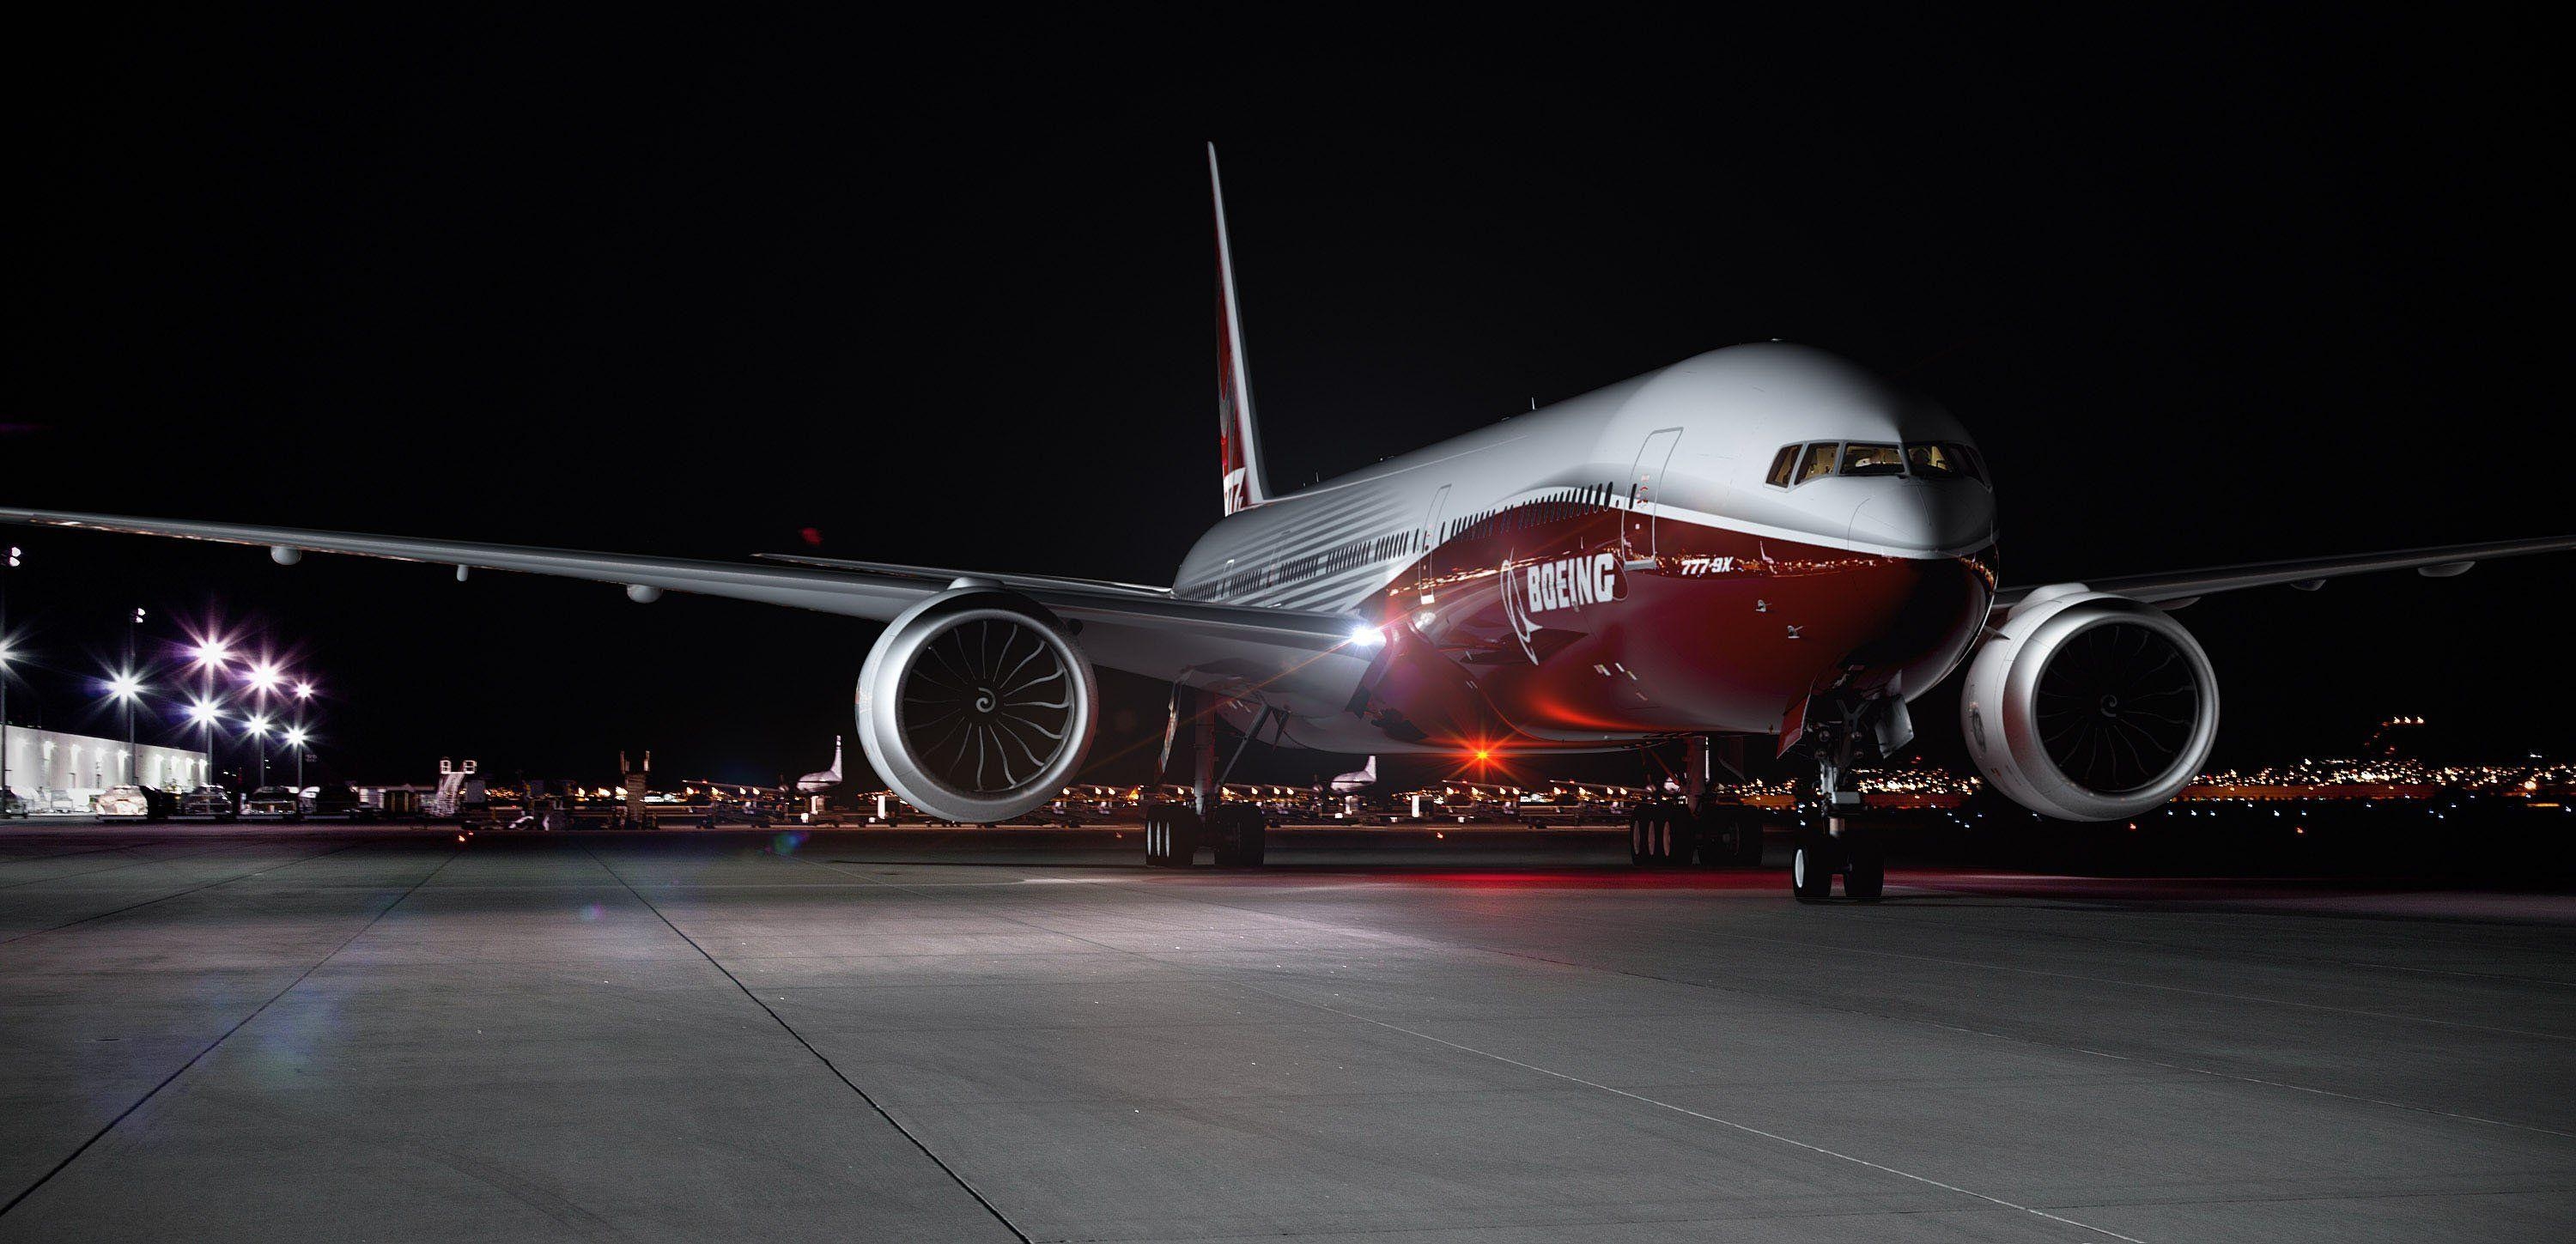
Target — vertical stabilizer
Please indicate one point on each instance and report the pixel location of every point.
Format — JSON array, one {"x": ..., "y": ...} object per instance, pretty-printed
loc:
[{"x": 1238, "y": 437}]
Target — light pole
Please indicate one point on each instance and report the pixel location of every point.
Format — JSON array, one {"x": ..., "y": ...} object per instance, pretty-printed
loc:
[
  {"x": 257, "y": 728},
  {"x": 14, "y": 554},
  {"x": 125, "y": 689},
  {"x": 213, "y": 660},
  {"x": 204, "y": 714},
  {"x": 297, "y": 736},
  {"x": 5, "y": 654},
  {"x": 133, "y": 694},
  {"x": 264, "y": 678}
]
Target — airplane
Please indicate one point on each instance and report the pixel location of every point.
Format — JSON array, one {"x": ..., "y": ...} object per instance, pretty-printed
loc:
[
  {"x": 818, "y": 783},
  {"x": 1760, "y": 542},
  {"x": 1357, "y": 780}
]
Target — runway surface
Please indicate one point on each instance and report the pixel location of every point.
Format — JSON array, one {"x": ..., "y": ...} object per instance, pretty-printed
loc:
[{"x": 340, "y": 1034}]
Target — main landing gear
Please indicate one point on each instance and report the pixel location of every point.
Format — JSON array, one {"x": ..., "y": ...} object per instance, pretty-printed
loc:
[
  {"x": 1238, "y": 834},
  {"x": 1668, "y": 834},
  {"x": 1673, "y": 833}
]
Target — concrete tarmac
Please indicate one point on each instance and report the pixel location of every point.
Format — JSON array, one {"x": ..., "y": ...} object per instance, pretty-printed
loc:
[{"x": 342, "y": 1033}]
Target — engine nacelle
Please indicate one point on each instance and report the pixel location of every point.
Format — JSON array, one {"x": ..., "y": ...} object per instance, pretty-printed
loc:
[
  {"x": 2089, "y": 707},
  {"x": 975, "y": 705}
]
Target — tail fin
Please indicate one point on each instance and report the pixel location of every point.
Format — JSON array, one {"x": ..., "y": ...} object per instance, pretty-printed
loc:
[{"x": 1238, "y": 437}]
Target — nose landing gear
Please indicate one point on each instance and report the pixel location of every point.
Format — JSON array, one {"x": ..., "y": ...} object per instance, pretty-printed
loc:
[
  {"x": 1844, "y": 844},
  {"x": 1842, "y": 847}
]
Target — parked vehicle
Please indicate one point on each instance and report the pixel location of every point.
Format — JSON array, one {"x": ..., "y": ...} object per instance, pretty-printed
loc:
[
  {"x": 339, "y": 801},
  {"x": 275, "y": 802},
  {"x": 212, "y": 801},
  {"x": 137, "y": 802},
  {"x": 11, "y": 804}
]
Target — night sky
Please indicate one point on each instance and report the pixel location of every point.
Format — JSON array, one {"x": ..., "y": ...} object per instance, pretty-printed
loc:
[{"x": 2204, "y": 294}]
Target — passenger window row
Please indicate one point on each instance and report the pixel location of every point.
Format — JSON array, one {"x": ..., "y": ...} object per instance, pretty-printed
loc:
[{"x": 1796, "y": 464}]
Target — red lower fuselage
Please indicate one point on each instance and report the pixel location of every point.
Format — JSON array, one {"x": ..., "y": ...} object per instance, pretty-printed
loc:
[{"x": 1555, "y": 634}]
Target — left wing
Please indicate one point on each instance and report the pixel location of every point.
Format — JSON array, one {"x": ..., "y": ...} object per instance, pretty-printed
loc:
[
  {"x": 1294, "y": 658},
  {"x": 2175, "y": 589}
]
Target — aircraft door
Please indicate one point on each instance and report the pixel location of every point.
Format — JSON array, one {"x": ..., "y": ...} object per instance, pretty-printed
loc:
[{"x": 1645, "y": 481}]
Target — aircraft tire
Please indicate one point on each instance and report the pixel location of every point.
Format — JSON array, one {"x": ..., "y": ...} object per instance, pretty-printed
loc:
[
  {"x": 1653, "y": 837},
  {"x": 1638, "y": 821},
  {"x": 1866, "y": 879},
  {"x": 1730, "y": 836},
  {"x": 1811, "y": 870},
  {"x": 1171, "y": 836},
  {"x": 1242, "y": 838},
  {"x": 1748, "y": 838},
  {"x": 1680, "y": 840}
]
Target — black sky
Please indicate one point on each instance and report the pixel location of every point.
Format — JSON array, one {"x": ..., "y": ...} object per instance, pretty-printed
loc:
[{"x": 2205, "y": 292}]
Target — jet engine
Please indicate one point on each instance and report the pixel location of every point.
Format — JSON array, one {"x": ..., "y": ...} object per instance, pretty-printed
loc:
[
  {"x": 976, "y": 705},
  {"x": 2088, "y": 706}
]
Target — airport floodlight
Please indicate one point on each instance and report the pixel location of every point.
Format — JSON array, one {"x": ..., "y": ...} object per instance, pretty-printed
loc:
[
  {"x": 204, "y": 712},
  {"x": 123, "y": 685},
  {"x": 304, "y": 691},
  {"x": 295, "y": 736},
  {"x": 6, "y": 652},
  {"x": 15, "y": 553},
  {"x": 256, "y": 725},
  {"x": 213, "y": 652},
  {"x": 264, "y": 676}
]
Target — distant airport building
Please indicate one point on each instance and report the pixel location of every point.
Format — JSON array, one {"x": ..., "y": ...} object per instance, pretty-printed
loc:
[{"x": 49, "y": 765}]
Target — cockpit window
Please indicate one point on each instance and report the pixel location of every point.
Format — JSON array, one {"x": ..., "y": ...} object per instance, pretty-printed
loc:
[
  {"x": 1819, "y": 461},
  {"x": 1796, "y": 464},
  {"x": 1927, "y": 460},
  {"x": 1865, "y": 459},
  {"x": 1782, "y": 463}
]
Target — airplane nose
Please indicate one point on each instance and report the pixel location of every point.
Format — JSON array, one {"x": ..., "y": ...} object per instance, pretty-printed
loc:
[{"x": 1928, "y": 516}]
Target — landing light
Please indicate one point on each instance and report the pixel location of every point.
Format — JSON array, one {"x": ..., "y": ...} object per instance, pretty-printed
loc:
[{"x": 1367, "y": 636}]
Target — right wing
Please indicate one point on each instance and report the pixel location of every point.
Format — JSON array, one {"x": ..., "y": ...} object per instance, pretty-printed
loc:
[
  {"x": 2177, "y": 588},
  {"x": 1302, "y": 660}
]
